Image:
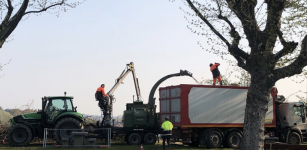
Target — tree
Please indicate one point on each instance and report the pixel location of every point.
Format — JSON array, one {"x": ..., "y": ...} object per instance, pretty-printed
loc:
[
  {"x": 1, "y": 67},
  {"x": 25, "y": 8},
  {"x": 262, "y": 25},
  {"x": 5, "y": 117}
]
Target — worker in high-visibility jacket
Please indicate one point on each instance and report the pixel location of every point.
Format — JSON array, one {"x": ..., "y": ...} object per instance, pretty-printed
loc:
[
  {"x": 216, "y": 73},
  {"x": 167, "y": 127},
  {"x": 102, "y": 98}
]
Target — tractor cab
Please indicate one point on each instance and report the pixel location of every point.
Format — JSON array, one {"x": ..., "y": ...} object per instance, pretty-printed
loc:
[{"x": 54, "y": 106}]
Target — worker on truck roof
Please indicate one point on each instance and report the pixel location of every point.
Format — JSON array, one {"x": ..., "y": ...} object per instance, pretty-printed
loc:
[{"x": 216, "y": 73}]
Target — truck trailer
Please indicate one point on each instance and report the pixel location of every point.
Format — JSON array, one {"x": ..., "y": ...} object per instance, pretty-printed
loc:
[{"x": 213, "y": 116}]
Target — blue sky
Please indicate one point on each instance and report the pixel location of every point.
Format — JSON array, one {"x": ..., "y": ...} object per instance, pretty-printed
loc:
[{"x": 91, "y": 45}]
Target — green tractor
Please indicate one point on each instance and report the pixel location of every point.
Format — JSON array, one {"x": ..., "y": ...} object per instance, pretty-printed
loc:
[{"x": 57, "y": 112}]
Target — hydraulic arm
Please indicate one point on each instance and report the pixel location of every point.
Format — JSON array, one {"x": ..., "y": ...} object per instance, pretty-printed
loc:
[
  {"x": 120, "y": 79},
  {"x": 107, "y": 110}
]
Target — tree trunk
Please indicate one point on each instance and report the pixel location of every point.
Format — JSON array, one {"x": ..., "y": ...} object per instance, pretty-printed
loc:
[{"x": 256, "y": 108}]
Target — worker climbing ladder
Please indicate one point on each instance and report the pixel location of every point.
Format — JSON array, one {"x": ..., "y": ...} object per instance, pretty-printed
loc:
[{"x": 107, "y": 108}]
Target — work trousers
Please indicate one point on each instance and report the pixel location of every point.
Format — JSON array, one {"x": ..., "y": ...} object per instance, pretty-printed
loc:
[
  {"x": 167, "y": 138},
  {"x": 218, "y": 77}
]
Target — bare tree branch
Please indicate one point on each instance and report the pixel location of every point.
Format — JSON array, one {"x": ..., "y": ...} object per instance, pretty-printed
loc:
[
  {"x": 9, "y": 11},
  {"x": 295, "y": 67},
  {"x": 274, "y": 13},
  {"x": 234, "y": 34},
  {"x": 45, "y": 9},
  {"x": 208, "y": 23},
  {"x": 244, "y": 10},
  {"x": 289, "y": 47},
  {"x": 5, "y": 21},
  {"x": 233, "y": 48},
  {"x": 9, "y": 27}
]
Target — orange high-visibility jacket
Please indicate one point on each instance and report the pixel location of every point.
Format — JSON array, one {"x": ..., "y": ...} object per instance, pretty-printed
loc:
[{"x": 101, "y": 89}]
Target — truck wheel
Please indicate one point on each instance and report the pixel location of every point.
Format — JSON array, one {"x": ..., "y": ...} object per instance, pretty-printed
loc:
[
  {"x": 294, "y": 138},
  {"x": 150, "y": 139},
  {"x": 66, "y": 123},
  {"x": 234, "y": 139},
  {"x": 19, "y": 135},
  {"x": 214, "y": 139},
  {"x": 134, "y": 139}
]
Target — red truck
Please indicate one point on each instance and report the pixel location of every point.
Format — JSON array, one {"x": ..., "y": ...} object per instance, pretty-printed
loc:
[{"x": 214, "y": 115}]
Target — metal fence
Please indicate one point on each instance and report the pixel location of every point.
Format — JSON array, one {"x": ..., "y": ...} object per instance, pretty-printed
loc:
[{"x": 94, "y": 137}]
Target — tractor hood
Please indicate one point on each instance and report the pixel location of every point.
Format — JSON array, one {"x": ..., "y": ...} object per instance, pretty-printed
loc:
[
  {"x": 31, "y": 116},
  {"x": 78, "y": 115},
  {"x": 23, "y": 117}
]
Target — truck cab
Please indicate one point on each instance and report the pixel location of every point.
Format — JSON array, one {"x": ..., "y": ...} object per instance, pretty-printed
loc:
[{"x": 293, "y": 116}]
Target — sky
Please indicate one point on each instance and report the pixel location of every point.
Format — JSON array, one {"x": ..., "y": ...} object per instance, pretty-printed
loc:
[{"x": 91, "y": 44}]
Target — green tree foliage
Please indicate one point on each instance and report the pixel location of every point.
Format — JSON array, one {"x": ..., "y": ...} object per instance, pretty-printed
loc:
[{"x": 266, "y": 38}]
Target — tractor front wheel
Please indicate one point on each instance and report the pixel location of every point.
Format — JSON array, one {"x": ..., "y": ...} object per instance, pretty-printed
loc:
[
  {"x": 19, "y": 135},
  {"x": 64, "y": 127}
]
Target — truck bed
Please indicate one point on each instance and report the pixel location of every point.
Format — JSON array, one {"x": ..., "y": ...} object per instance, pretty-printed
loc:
[{"x": 207, "y": 106}]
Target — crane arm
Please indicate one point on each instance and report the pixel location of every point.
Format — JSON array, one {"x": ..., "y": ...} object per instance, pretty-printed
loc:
[
  {"x": 123, "y": 75},
  {"x": 136, "y": 84}
]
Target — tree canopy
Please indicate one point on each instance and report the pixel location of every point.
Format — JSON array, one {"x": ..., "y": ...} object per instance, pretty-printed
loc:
[
  {"x": 12, "y": 12},
  {"x": 267, "y": 38}
]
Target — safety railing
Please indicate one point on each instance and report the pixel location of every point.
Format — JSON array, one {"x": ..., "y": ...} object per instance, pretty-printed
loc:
[{"x": 94, "y": 137}]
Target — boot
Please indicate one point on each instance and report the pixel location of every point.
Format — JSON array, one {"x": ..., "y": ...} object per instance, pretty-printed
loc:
[
  {"x": 213, "y": 84},
  {"x": 221, "y": 83}
]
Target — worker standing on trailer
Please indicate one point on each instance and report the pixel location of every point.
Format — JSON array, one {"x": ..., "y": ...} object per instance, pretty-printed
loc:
[
  {"x": 167, "y": 127},
  {"x": 216, "y": 73},
  {"x": 101, "y": 96}
]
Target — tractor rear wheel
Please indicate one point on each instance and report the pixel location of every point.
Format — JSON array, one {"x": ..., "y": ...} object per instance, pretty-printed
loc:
[
  {"x": 66, "y": 126},
  {"x": 19, "y": 135}
]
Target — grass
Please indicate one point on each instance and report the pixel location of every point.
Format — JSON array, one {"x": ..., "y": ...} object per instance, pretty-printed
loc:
[{"x": 115, "y": 146}]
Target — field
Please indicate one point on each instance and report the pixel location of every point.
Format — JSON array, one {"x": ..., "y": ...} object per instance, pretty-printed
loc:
[{"x": 115, "y": 146}]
